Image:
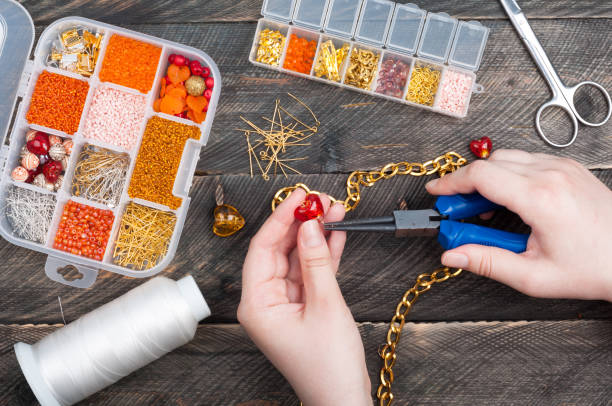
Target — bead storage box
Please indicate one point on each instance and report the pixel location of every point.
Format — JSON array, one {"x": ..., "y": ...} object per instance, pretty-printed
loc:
[
  {"x": 106, "y": 134},
  {"x": 395, "y": 51}
]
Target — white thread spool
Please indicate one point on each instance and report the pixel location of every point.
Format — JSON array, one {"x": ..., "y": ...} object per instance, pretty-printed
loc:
[{"x": 112, "y": 341}]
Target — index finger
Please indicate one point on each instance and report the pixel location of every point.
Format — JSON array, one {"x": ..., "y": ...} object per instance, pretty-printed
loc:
[{"x": 492, "y": 180}]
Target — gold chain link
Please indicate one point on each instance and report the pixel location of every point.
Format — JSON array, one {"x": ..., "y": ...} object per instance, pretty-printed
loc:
[
  {"x": 443, "y": 164},
  {"x": 423, "y": 283}
]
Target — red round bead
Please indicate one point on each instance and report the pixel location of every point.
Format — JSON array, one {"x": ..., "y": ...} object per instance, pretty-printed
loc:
[
  {"x": 39, "y": 145},
  {"x": 210, "y": 82},
  {"x": 179, "y": 60}
]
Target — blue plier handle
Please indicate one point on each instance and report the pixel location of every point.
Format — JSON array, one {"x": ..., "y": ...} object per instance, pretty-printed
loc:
[{"x": 453, "y": 233}]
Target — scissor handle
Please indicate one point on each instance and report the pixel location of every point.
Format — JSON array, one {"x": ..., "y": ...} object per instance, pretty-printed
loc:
[
  {"x": 571, "y": 92},
  {"x": 559, "y": 102}
]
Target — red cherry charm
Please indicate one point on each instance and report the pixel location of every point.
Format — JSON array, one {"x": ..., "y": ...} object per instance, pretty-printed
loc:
[
  {"x": 207, "y": 94},
  {"x": 179, "y": 60},
  {"x": 311, "y": 208},
  {"x": 210, "y": 83},
  {"x": 482, "y": 147},
  {"x": 205, "y": 72},
  {"x": 52, "y": 170},
  {"x": 39, "y": 145}
]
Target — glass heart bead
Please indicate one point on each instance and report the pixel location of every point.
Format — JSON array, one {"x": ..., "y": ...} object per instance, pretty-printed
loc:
[
  {"x": 310, "y": 209},
  {"x": 482, "y": 147},
  {"x": 227, "y": 220}
]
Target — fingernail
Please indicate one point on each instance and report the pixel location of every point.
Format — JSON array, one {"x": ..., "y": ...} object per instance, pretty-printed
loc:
[
  {"x": 455, "y": 260},
  {"x": 312, "y": 235},
  {"x": 431, "y": 183}
]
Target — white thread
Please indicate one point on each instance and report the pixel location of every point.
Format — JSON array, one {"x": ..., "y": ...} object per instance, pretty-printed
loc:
[{"x": 112, "y": 341}]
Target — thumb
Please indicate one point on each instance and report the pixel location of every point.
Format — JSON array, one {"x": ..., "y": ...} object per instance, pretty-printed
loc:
[
  {"x": 499, "y": 264},
  {"x": 318, "y": 269}
]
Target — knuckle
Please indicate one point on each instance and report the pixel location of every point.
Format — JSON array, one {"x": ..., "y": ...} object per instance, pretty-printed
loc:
[
  {"x": 477, "y": 168},
  {"x": 485, "y": 265},
  {"x": 317, "y": 261}
]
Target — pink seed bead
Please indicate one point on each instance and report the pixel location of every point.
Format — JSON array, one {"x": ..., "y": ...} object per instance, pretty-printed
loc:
[
  {"x": 455, "y": 90},
  {"x": 115, "y": 117}
]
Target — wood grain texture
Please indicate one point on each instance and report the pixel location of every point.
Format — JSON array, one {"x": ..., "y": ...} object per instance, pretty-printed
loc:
[
  {"x": 374, "y": 273},
  {"x": 198, "y": 11},
  {"x": 381, "y": 131},
  {"x": 553, "y": 362}
]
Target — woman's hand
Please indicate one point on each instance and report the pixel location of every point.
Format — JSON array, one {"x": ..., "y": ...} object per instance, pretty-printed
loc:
[
  {"x": 293, "y": 310},
  {"x": 570, "y": 213}
]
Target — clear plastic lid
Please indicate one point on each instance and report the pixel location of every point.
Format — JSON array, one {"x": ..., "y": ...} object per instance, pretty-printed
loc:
[
  {"x": 469, "y": 45},
  {"x": 16, "y": 39},
  {"x": 437, "y": 36},
  {"x": 374, "y": 21},
  {"x": 310, "y": 13},
  {"x": 342, "y": 17},
  {"x": 406, "y": 25},
  {"x": 278, "y": 9}
]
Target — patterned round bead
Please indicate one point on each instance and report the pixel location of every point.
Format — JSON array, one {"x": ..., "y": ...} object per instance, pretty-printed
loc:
[
  {"x": 20, "y": 174},
  {"x": 30, "y": 161},
  {"x": 68, "y": 144},
  {"x": 59, "y": 182},
  {"x": 30, "y": 135},
  {"x": 54, "y": 139},
  {"x": 24, "y": 151},
  {"x": 40, "y": 180},
  {"x": 57, "y": 152}
]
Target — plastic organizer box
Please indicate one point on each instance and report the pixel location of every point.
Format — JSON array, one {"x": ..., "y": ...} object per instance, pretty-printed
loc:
[
  {"x": 16, "y": 39},
  {"x": 436, "y": 55}
]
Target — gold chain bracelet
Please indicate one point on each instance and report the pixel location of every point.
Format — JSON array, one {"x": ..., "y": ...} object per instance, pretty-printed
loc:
[{"x": 443, "y": 164}]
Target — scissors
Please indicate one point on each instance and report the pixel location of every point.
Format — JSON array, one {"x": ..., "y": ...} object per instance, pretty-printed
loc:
[
  {"x": 441, "y": 221},
  {"x": 562, "y": 96}
]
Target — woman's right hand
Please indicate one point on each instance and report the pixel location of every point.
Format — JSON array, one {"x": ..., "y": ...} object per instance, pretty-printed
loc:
[{"x": 569, "y": 252}]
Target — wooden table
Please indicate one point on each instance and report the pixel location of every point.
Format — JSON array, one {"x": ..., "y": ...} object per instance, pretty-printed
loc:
[{"x": 471, "y": 341}]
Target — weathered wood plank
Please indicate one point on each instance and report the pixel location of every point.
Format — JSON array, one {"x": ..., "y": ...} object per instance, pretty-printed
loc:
[
  {"x": 372, "y": 135},
  {"x": 557, "y": 362},
  {"x": 165, "y": 11},
  {"x": 30, "y": 297}
]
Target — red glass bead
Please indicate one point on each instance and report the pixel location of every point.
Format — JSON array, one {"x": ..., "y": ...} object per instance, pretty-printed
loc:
[
  {"x": 39, "y": 145},
  {"x": 171, "y": 58},
  {"x": 179, "y": 60},
  {"x": 210, "y": 83},
  {"x": 207, "y": 94},
  {"x": 311, "y": 208},
  {"x": 482, "y": 147},
  {"x": 52, "y": 170},
  {"x": 205, "y": 72}
]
